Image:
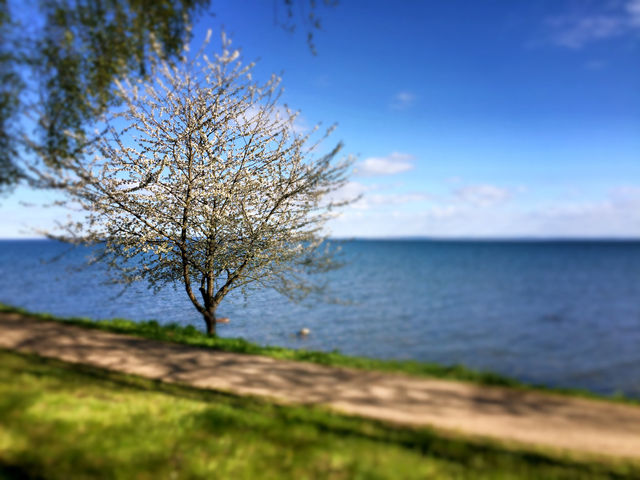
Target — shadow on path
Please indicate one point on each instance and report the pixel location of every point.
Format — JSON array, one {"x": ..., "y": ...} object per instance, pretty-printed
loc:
[{"x": 530, "y": 417}]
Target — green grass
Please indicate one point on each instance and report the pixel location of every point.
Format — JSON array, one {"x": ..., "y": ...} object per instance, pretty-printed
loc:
[
  {"x": 62, "y": 421},
  {"x": 189, "y": 335}
]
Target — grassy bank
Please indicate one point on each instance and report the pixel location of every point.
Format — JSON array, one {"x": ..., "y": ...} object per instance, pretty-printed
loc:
[
  {"x": 189, "y": 335},
  {"x": 59, "y": 420}
]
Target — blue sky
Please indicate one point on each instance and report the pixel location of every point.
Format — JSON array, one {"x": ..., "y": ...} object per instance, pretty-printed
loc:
[{"x": 469, "y": 119}]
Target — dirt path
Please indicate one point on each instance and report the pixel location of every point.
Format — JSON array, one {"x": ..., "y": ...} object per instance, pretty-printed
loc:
[{"x": 530, "y": 417}]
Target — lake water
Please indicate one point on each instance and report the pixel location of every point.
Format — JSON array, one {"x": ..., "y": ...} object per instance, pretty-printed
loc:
[{"x": 555, "y": 313}]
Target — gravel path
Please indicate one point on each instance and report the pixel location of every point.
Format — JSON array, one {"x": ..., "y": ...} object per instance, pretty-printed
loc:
[{"x": 535, "y": 418}]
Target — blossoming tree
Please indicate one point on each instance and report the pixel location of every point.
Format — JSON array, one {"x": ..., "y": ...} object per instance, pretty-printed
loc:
[{"x": 204, "y": 178}]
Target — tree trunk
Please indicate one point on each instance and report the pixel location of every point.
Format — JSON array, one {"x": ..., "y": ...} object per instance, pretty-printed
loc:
[{"x": 210, "y": 320}]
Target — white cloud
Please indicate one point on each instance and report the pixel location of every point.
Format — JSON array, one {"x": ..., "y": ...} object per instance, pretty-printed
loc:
[
  {"x": 482, "y": 195},
  {"x": 403, "y": 100},
  {"x": 626, "y": 194},
  {"x": 368, "y": 199},
  {"x": 616, "y": 214},
  {"x": 349, "y": 191},
  {"x": 390, "y": 165},
  {"x": 384, "y": 200},
  {"x": 579, "y": 29},
  {"x": 633, "y": 10},
  {"x": 397, "y": 198}
]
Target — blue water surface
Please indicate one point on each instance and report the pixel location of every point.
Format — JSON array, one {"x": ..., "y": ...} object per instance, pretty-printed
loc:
[{"x": 555, "y": 313}]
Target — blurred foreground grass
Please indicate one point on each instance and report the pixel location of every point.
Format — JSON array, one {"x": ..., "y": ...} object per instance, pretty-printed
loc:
[{"x": 64, "y": 421}]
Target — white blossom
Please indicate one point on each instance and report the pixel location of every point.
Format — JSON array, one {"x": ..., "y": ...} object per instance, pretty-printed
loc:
[{"x": 201, "y": 178}]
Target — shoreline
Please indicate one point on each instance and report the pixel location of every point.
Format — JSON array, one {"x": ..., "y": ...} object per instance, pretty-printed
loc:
[{"x": 191, "y": 336}]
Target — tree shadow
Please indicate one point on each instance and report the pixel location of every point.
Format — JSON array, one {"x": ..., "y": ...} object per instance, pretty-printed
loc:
[
  {"x": 288, "y": 425},
  {"x": 396, "y": 398}
]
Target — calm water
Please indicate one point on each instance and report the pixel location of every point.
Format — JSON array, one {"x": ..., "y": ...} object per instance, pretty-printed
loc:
[{"x": 557, "y": 313}]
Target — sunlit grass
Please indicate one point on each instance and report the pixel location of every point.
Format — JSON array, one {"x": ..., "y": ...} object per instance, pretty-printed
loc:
[{"x": 62, "y": 421}]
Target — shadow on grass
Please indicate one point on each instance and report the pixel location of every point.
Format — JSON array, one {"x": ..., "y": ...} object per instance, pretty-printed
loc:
[
  {"x": 283, "y": 425},
  {"x": 396, "y": 397},
  {"x": 189, "y": 335},
  {"x": 16, "y": 472}
]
